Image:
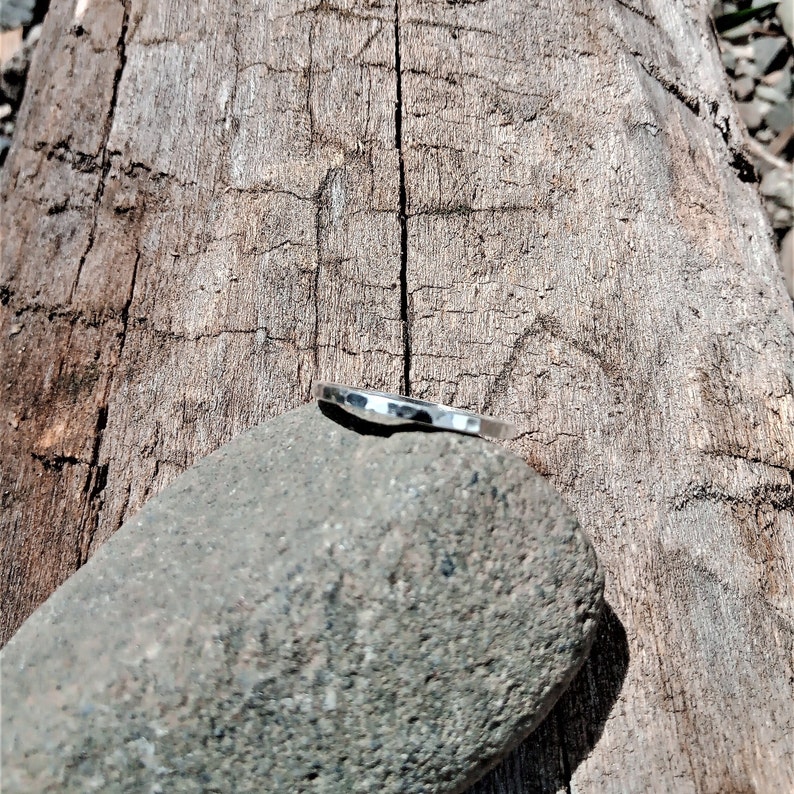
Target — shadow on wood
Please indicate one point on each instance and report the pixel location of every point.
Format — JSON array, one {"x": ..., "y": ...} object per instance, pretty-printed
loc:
[{"x": 546, "y": 760}]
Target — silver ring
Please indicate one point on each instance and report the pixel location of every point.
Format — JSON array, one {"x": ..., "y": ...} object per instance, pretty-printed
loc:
[{"x": 394, "y": 407}]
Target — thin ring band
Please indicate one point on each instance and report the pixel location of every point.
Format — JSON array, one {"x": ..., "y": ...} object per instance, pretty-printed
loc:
[{"x": 409, "y": 409}]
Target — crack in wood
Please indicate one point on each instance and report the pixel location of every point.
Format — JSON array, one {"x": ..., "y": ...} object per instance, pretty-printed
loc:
[
  {"x": 58, "y": 462},
  {"x": 702, "y": 107},
  {"x": 125, "y": 309},
  {"x": 779, "y": 496},
  {"x": 690, "y": 101},
  {"x": 72, "y": 316},
  {"x": 565, "y": 761},
  {"x": 403, "y": 206},
  {"x": 638, "y": 11},
  {"x": 176, "y": 336},
  {"x": 63, "y": 152},
  {"x": 309, "y": 73},
  {"x": 105, "y": 155},
  {"x": 319, "y": 227},
  {"x": 95, "y": 486}
]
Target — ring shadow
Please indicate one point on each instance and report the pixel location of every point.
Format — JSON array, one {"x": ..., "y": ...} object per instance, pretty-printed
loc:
[
  {"x": 545, "y": 761},
  {"x": 365, "y": 427}
]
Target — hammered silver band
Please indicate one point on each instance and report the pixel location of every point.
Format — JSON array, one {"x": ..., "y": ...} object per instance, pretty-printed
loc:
[{"x": 408, "y": 409}]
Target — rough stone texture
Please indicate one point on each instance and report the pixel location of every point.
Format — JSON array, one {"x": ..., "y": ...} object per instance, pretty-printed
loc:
[{"x": 308, "y": 609}]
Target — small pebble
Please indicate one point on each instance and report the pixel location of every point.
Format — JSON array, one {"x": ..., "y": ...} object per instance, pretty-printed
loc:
[
  {"x": 780, "y": 80},
  {"x": 780, "y": 216},
  {"x": 743, "y": 88},
  {"x": 744, "y": 51},
  {"x": 764, "y": 135},
  {"x": 781, "y": 141},
  {"x": 745, "y": 67},
  {"x": 740, "y": 32},
  {"x": 779, "y": 185},
  {"x": 728, "y": 60},
  {"x": 769, "y": 94},
  {"x": 766, "y": 50},
  {"x": 785, "y": 13},
  {"x": 752, "y": 114},
  {"x": 787, "y": 260},
  {"x": 15, "y": 13},
  {"x": 773, "y": 78},
  {"x": 779, "y": 117}
]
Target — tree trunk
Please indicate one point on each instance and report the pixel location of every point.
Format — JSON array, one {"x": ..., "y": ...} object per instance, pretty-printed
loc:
[{"x": 536, "y": 210}]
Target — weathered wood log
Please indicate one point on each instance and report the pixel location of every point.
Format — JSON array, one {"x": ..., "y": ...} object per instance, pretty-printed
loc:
[{"x": 539, "y": 211}]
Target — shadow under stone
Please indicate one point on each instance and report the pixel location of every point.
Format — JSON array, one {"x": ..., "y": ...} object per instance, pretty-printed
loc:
[{"x": 546, "y": 760}]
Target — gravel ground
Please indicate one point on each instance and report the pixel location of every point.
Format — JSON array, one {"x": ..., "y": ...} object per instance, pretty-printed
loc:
[
  {"x": 755, "y": 39},
  {"x": 20, "y": 27}
]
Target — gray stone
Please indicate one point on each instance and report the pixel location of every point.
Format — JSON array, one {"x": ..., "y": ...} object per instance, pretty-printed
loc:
[
  {"x": 752, "y": 113},
  {"x": 783, "y": 82},
  {"x": 742, "y": 51},
  {"x": 739, "y": 32},
  {"x": 14, "y": 72},
  {"x": 778, "y": 185},
  {"x": 764, "y": 135},
  {"x": 769, "y": 94},
  {"x": 728, "y": 57},
  {"x": 746, "y": 68},
  {"x": 16, "y": 13},
  {"x": 766, "y": 50},
  {"x": 780, "y": 117},
  {"x": 308, "y": 609},
  {"x": 743, "y": 88},
  {"x": 785, "y": 13},
  {"x": 787, "y": 260},
  {"x": 780, "y": 216}
]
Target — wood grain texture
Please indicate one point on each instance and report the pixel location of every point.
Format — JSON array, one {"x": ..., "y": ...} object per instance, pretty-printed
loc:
[
  {"x": 188, "y": 255},
  {"x": 539, "y": 214}
]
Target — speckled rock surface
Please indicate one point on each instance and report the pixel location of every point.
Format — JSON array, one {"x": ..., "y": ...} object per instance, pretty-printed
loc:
[{"x": 308, "y": 609}]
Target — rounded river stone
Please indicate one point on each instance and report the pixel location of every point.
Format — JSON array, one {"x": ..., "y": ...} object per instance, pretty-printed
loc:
[{"x": 308, "y": 609}]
